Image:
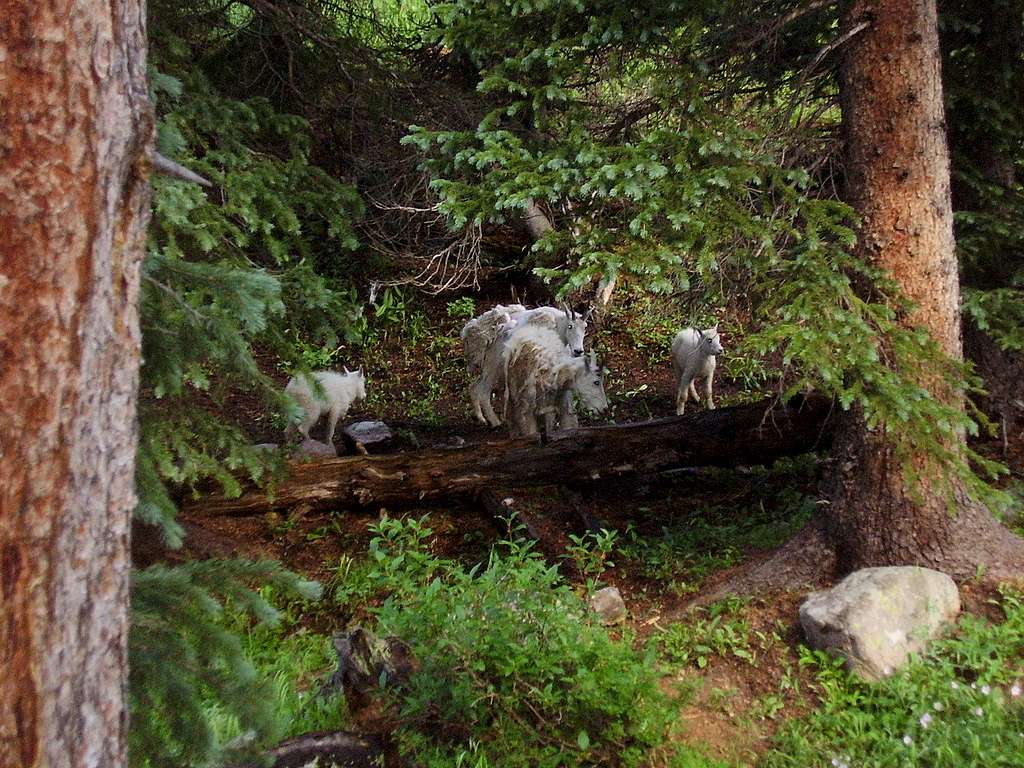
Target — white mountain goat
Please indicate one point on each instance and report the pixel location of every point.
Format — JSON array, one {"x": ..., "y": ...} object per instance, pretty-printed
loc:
[
  {"x": 540, "y": 376},
  {"x": 335, "y": 395},
  {"x": 693, "y": 357},
  {"x": 479, "y": 332},
  {"x": 570, "y": 326}
]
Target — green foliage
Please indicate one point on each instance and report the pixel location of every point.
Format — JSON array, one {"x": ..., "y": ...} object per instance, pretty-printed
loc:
[
  {"x": 651, "y": 322},
  {"x": 293, "y": 664},
  {"x": 255, "y": 263},
  {"x": 718, "y": 630},
  {"x": 513, "y": 672},
  {"x": 960, "y": 704},
  {"x": 185, "y": 657},
  {"x": 227, "y": 272},
  {"x": 463, "y": 307},
  {"x": 999, "y": 312},
  {"x": 984, "y": 43},
  {"x": 695, "y": 196},
  {"x": 590, "y": 553}
]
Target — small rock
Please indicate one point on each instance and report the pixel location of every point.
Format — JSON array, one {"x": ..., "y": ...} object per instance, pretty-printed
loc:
[
  {"x": 608, "y": 604},
  {"x": 315, "y": 448},
  {"x": 876, "y": 617},
  {"x": 364, "y": 435}
]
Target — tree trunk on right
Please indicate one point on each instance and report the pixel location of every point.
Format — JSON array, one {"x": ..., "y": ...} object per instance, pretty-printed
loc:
[{"x": 899, "y": 182}]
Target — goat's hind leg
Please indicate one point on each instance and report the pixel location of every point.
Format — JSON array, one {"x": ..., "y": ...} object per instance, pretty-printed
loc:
[
  {"x": 480, "y": 396},
  {"x": 475, "y": 402},
  {"x": 485, "y": 386},
  {"x": 331, "y": 424},
  {"x": 682, "y": 395}
]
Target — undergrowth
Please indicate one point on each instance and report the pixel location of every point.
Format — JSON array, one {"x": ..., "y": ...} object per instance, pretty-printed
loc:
[
  {"x": 513, "y": 672},
  {"x": 721, "y": 629},
  {"x": 688, "y": 550},
  {"x": 958, "y": 705}
]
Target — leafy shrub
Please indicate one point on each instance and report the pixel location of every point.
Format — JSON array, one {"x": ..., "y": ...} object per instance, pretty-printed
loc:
[
  {"x": 590, "y": 553},
  {"x": 513, "y": 673},
  {"x": 959, "y": 705}
]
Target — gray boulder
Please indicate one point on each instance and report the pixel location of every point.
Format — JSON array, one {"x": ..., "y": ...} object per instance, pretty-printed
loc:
[
  {"x": 366, "y": 436},
  {"x": 607, "y": 603},
  {"x": 877, "y": 617},
  {"x": 315, "y": 448}
]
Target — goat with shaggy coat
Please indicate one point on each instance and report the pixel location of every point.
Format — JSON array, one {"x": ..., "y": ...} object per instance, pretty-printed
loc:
[
  {"x": 540, "y": 376},
  {"x": 479, "y": 332},
  {"x": 333, "y": 394},
  {"x": 570, "y": 326},
  {"x": 694, "y": 357}
]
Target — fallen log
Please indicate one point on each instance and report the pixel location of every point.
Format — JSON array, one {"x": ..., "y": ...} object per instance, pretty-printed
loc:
[
  {"x": 745, "y": 434},
  {"x": 341, "y": 749}
]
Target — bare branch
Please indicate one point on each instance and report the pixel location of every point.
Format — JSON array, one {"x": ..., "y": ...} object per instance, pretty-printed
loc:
[
  {"x": 825, "y": 51},
  {"x": 168, "y": 167}
]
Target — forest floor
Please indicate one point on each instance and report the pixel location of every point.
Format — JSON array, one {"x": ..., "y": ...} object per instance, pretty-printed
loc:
[{"x": 738, "y": 661}]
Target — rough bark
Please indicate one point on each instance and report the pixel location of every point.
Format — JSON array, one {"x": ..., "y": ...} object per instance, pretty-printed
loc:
[
  {"x": 751, "y": 434},
  {"x": 75, "y": 131},
  {"x": 899, "y": 182}
]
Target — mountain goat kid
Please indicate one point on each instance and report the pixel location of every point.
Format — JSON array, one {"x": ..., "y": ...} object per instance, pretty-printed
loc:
[
  {"x": 693, "y": 357},
  {"x": 571, "y": 328},
  {"x": 339, "y": 391},
  {"x": 540, "y": 376}
]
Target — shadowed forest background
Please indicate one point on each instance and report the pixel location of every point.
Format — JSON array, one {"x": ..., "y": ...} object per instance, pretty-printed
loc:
[{"x": 382, "y": 172}]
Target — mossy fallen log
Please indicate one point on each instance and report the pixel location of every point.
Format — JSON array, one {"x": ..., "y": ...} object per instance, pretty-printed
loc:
[{"x": 740, "y": 435}]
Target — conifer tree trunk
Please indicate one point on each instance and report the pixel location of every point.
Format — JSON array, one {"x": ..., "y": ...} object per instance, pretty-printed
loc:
[
  {"x": 898, "y": 180},
  {"x": 75, "y": 129}
]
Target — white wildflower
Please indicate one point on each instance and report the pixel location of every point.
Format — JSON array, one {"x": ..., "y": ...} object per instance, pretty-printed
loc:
[
  {"x": 978, "y": 711},
  {"x": 925, "y": 720},
  {"x": 886, "y": 670},
  {"x": 1015, "y": 690},
  {"x": 954, "y": 685},
  {"x": 937, "y": 706},
  {"x": 907, "y": 740},
  {"x": 986, "y": 690}
]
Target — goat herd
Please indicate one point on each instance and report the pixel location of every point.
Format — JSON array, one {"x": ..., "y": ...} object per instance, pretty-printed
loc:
[{"x": 535, "y": 357}]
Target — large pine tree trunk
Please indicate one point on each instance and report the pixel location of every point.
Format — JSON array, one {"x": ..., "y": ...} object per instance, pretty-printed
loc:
[
  {"x": 75, "y": 127},
  {"x": 898, "y": 180}
]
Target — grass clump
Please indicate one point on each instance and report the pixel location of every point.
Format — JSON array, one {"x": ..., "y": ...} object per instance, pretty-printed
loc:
[
  {"x": 961, "y": 704},
  {"x": 513, "y": 671}
]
